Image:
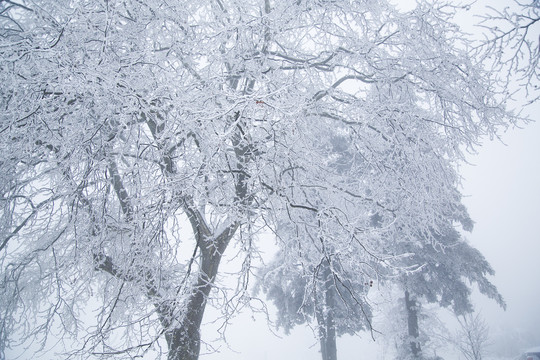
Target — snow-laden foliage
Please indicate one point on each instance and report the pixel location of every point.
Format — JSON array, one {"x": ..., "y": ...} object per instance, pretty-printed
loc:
[
  {"x": 139, "y": 138},
  {"x": 446, "y": 271},
  {"x": 440, "y": 273}
]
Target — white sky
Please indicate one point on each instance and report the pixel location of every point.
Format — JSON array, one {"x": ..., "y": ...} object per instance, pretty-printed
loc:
[{"x": 504, "y": 189}]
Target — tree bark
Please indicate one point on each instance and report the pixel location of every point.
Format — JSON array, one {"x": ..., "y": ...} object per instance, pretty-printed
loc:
[
  {"x": 411, "y": 307},
  {"x": 325, "y": 316},
  {"x": 184, "y": 341}
]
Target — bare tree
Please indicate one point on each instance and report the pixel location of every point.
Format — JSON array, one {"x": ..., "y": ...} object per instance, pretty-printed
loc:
[{"x": 472, "y": 337}]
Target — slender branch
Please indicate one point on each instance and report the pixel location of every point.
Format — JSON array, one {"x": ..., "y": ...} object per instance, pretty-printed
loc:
[{"x": 25, "y": 221}]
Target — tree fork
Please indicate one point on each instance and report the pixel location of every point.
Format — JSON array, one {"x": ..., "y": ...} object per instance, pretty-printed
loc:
[{"x": 184, "y": 342}]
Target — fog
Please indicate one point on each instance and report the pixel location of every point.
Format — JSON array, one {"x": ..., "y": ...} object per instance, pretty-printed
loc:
[{"x": 504, "y": 200}]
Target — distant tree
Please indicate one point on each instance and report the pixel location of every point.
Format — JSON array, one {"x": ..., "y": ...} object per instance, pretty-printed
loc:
[
  {"x": 315, "y": 276},
  {"x": 322, "y": 286},
  {"x": 472, "y": 337},
  {"x": 139, "y": 139},
  {"x": 392, "y": 323},
  {"x": 335, "y": 304},
  {"x": 443, "y": 274}
]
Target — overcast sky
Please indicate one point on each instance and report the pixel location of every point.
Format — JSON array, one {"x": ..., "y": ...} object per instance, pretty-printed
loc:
[{"x": 504, "y": 200}]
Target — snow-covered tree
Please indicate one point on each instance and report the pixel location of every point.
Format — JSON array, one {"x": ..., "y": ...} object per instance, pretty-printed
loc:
[
  {"x": 444, "y": 274},
  {"x": 309, "y": 282},
  {"x": 322, "y": 273},
  {"x": 512, "y": 47},
  {"x": 140, "y": 138}
]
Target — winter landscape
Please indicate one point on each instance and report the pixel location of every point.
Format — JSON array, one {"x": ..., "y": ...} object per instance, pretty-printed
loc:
[{"x": 269, "y": 179}]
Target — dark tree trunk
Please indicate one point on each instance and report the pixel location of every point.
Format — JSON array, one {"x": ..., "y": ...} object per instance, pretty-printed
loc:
[
  {"x": 184, "y": 341},
  {"x": 182, "y": 327},
  {"x": 412, "y": 322},
  {"x": 325, "y": 316}
]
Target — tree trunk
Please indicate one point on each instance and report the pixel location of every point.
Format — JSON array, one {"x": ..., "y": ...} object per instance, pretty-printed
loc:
[
  {"x": 411, "y": 307},
  {"x": 184, "y": 341},
  {"x": 325, "y": 316}
]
